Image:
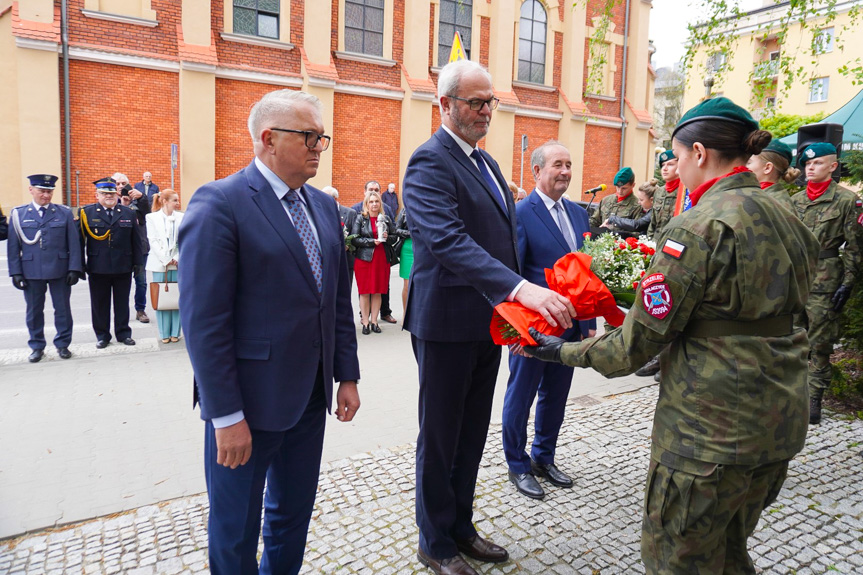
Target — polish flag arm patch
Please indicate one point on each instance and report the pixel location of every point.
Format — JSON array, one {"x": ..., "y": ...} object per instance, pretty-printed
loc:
[{"x": 674, "y": 249}]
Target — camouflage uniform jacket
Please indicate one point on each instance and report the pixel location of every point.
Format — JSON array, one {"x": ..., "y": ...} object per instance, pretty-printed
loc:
[
  {"x": 733, "y": 399},
  {"x": 833, "y": 218},
  {"x": 663, "y": 210},
  {"x": 627, "y": 208},
  {"x": 780, "y": 193}
]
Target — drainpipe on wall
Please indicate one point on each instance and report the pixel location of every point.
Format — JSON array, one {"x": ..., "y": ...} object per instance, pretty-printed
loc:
[
  {"x": 67, "y": 137},
  {"x": 623, "y": 84}
]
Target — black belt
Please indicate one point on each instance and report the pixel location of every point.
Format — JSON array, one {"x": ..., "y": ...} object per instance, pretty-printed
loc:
[
  {"x": 777, "y": 326},
  {"x": 826, "y": 254}
]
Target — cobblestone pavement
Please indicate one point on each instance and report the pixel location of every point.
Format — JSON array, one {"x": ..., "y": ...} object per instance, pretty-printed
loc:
[{"x": 363, "y": 521}]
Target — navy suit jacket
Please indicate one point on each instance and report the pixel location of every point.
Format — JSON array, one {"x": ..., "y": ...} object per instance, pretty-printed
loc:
[
  {"x": 541, "y": 243},
  {"x": 465, "y": 247},
  {"x": 257, "y": 329},
  {"x": 59, "y": 250},
  {"x": 154, "y": 189}
]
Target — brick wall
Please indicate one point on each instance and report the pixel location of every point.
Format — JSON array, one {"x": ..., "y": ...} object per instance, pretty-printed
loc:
[
  {"x": 237, "y": 55},
  {"x": 160, "y": 40},
  {"x": 601, "y": 159},
  {"x": 604, "y": 107},
  {"x": 234, "y": 100},
  {"x": 366, "y": 140},
  {"x": 484, "y": 38},
  {"x": 123, "y": 120},
  {"x": 538, "y": 132}
]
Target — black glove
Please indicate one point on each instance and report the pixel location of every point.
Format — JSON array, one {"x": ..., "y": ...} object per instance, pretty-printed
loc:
[
  {"x": 19, "y": 282},
  {"x": 71, "y": 278},
  {"x": 137, "y": 270},
  {"x": 548, "y": 348},
  {"x": 840, "y": 298}
]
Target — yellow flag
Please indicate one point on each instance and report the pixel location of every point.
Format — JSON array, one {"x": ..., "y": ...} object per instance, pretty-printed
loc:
[{"x": 457, "y": 52}]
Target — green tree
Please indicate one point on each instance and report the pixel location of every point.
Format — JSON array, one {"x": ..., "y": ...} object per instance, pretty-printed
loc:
[{"x": 781, "y": 125}]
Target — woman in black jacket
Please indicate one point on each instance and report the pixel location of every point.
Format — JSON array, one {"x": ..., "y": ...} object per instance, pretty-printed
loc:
[
  {"x": 644, "y": 193},
  {"x": 375, "y": 236}
]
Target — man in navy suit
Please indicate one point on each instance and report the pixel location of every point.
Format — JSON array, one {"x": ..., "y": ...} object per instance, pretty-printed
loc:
[
  {"x": 549, "y": 227},
  {"x": 147, "y": 187},
  {"x": 45, "y": 254},
  {"x": 465, "y": 262},
  {"x": 265, "y": 302}
]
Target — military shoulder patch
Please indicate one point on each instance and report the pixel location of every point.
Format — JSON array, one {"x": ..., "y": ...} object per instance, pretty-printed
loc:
[
  {"x": 858, "y": 203},
  {"x": 860, "y": 219},
  {"x": 674, "y": 249},
  {"x": 652, "y": 279},
  {"x": 657, "y": 300}
]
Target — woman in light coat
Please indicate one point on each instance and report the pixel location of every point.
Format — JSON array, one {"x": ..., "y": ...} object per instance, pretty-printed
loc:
[{"x": 162, "y": 225}]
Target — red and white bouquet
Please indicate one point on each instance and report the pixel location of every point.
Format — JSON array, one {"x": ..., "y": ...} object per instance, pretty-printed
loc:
[{"x": 598, "y": 281}]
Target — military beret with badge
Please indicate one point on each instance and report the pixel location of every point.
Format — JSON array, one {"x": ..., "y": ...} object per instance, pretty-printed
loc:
[
  {"x": 717, "y": 109},
  {"x": 666, "y": 156},
  {"x": 624, "y": 176},
  {"x": 816, "y": 150}
]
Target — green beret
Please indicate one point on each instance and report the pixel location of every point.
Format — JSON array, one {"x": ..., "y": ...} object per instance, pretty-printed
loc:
[
  {"x": 816, "y": 150},
  {"x": 717, "y": 109},
  {"x": 665, "y": 156},
  {"x": 624, "y": 176},
  {"x": 780, "y": 148}
]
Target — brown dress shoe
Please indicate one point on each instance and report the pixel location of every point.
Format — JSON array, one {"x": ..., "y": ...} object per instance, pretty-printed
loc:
[
  {"x": 449, "y": 566},
  {"x": 388, "y": 318},
  {"x": 141, "y": 316},
  {"x": 482, "y": 550}
]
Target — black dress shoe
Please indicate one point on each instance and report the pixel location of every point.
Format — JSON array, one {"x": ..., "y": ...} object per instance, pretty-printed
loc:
[
  {"x": 366, "y": 330},
  {"x": 550, "y": 471},
  {"x": 376, "y": 328},
  {"x": 129, "y": 341},
  {"x": 35, "y": 356},
  {"x": 657, "y": 378},
  {"x": 527, "y": 484},
  {"x": 102, "y": 344},
  {"x": 64, "y": 352},
  {"x": 482, "y": 550},
  {"x": 649, "y": 368},
  {"x": 449, "y": 566}
]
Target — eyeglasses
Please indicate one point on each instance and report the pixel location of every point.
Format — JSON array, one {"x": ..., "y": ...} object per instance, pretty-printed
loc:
[
  {"x": 476, "y": 105},
  {"x": 312, "y": 138}
]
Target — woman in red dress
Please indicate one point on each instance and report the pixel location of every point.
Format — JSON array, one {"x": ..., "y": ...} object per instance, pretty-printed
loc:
[{"x": 371, "y": 268}]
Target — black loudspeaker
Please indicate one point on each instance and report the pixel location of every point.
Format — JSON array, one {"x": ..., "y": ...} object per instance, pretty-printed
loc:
[{"x": 813, "y": 133}]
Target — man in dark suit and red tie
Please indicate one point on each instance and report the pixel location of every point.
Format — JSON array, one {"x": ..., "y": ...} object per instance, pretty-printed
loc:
[
  {"x": 465, "y": 262},
  {"x": 265, "y": 301},
  {"x": 549, "y": 227}
]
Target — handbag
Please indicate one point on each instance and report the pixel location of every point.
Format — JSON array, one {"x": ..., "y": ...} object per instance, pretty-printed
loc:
[
  {"x": 391, "y": 253},
  {"x": 165, "y": 296}
]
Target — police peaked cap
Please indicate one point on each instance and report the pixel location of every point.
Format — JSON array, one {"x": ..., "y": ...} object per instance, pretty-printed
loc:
[
  {"x": 44, "y": 181},
  {"x": 717, "y": 109},
  {"x": 106, "y": 185}
]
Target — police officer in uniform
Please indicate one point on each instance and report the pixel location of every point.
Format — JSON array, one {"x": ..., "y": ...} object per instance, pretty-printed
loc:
[
  {"x": 834, "y": 216},
  {"x": 718, "y": 299},
  {"x": 623, "y": 203},
  {"x": 112, "y": 245},
  {"x": 45, "y": 254}
]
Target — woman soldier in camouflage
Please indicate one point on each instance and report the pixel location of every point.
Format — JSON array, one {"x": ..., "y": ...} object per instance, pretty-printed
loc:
[
  {"x": 727, "y": 278},
  {"x": 770, "y": 166}
]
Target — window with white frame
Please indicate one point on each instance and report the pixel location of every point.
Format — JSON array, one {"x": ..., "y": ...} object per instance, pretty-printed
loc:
[
  {"x": 531, "y": 42},
  {"x": 716, "y": 62},
  {"x": 819, "y": 89},
  {"x": 364, "y": 27},
  {"x": 257, "y": 18},
  {"x": 823, "y": 42},
  {"x": 455, "y": 16}
]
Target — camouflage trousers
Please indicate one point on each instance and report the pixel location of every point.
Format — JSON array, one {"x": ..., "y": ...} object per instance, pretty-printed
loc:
[
  {"x": 822, "y": 325},
  {"x": 696, "y": 524}
]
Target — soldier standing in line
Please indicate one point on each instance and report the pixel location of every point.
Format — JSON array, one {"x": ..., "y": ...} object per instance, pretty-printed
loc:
[
  {"x": 834, "y": 216},
  {"x": 112, "y": 244},
  {"x": 45, "y": 254},
  {"x": 623, "y": 203},
  {"x": 732, "y": 408},
  {"x": 770, "y": 166},
  {"x": 665, "y": 204}
]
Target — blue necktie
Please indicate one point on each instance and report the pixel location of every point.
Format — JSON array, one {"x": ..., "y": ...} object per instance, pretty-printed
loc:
[
  {"x": 564, "y": 229},
  {"x": 480, "y": 163},
  {"x": 304, "y": 229}
]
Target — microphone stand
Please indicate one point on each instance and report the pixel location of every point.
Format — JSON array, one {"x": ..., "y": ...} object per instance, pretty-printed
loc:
[{"x": 593, "y": 197}]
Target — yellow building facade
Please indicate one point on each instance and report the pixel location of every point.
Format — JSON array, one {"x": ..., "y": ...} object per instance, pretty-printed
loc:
[{"x": 749, "y": 73}]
